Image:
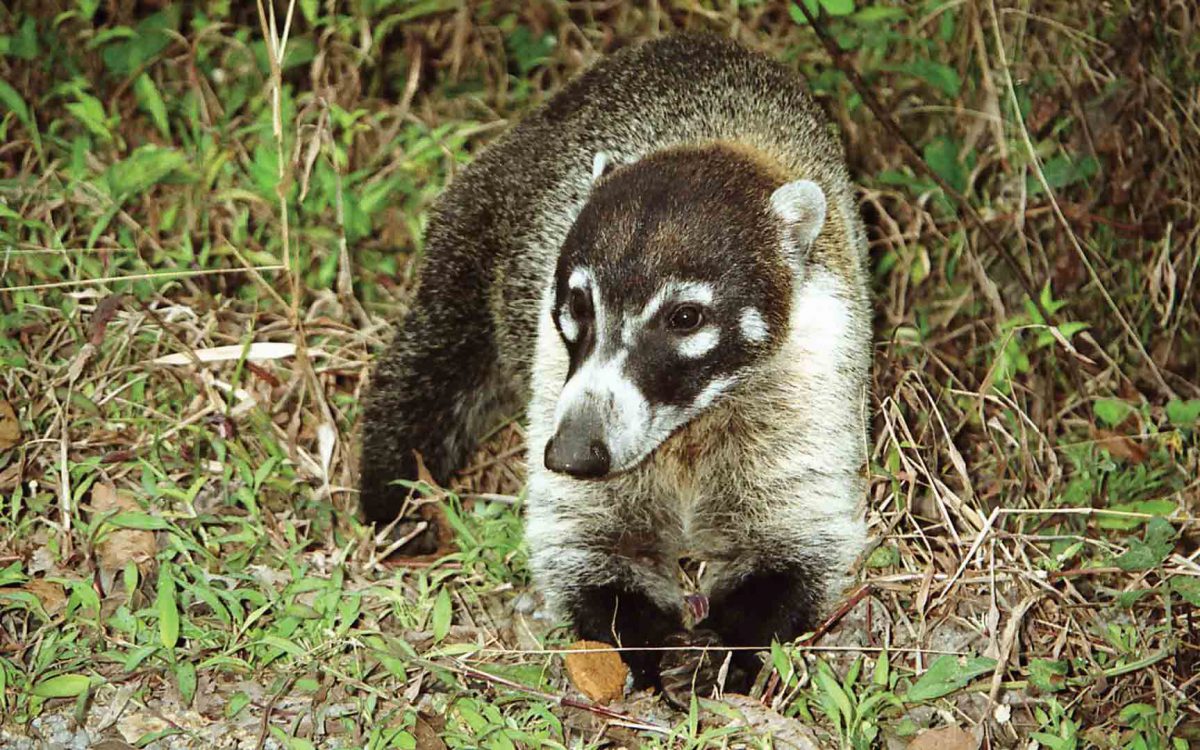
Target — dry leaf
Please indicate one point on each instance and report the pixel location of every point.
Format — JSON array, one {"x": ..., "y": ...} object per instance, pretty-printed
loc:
[
  {"x": 946, "y": 738},
  {"x": 427, "y": 732},
  {"x": 80, "y": 361},
  {"x": 1121, "y": 446},
  {"x": 50, "y": 594},
  {"x": 11, "y": 477},
  {"x": 10, "y": 428},
  {"x": 326, "y": 438},
  {"x": 600, "y": 675},
  {"x": 784, "y": 732},
  {"x": 120, "y": 546},
  {"x": 106, "y": 310},
  {"x": 112, "y": 744}
]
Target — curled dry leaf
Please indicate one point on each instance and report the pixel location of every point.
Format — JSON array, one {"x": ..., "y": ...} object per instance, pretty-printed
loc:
[
  {"x": 783, "y": 731},
  {"x": 117, "y": 547},
  {"x": 11, "y": 476},
  {"x": 945, "y": 738},
  {"x": 50, "y": 594},
  {"x": 112, "y": 744},
  {"x": 106, "y": 310},
  {"x": 600, "y": 675},
  {"x": 1121, "y": 446},
  {"x": 428, "y": 731},
  {"x": 10, "y": 428}
]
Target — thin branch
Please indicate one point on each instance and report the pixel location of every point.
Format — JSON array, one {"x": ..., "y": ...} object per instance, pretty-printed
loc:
[{"x": 136, "y": 277}]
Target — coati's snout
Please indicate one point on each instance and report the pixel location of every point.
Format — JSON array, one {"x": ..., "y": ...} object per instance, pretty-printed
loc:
[
  {"x": 673, "y": 285},
  {"x": 578, "y": 447}
]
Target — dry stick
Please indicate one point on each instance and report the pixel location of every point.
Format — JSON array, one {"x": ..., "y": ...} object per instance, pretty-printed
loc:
[
  {"x": 345, "y": 287},
  {"x": 466, "y": 671},
  {"x": 1009, "y": 641},
  {"x": 64, "y": 478},
  {"x": 134, "y": 277},
  {"x": 1095, "y": 277},
  {"x": 868, "y": 96},
  {"x": 265, "y": 727},
  {"x": 850, "y": 603}
]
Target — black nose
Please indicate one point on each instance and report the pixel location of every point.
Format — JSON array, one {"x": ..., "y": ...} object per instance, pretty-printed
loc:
[{"x": 577, "y": 455}]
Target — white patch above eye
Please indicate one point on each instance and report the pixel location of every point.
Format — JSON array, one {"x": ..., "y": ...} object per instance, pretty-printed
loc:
[
  {"x": 700, "y": 343},
  {"x": 754, "y": 328},
  {"x": 691, "y": 291},
  {"x": 801, "y": 206},
  {"x": 580, "y": 278}
]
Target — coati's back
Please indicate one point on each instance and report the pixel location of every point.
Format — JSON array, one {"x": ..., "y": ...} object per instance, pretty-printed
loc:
[{"x": 663, "y": 269}]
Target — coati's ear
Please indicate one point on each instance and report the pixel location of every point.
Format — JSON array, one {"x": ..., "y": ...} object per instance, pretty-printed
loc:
[
  {"x": 602, "y": 164},
  {"x": 801, "y": 206}
]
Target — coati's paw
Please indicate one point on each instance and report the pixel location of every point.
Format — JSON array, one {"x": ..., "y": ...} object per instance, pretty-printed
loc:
[
  {"x": 690, "y": 669},
  {"x": 417, "y": 537},
  {"x": 425, "y": 533}
]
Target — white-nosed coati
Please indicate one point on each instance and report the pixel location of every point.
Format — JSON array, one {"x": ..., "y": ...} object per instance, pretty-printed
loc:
[{"x": 665, "y": 267}]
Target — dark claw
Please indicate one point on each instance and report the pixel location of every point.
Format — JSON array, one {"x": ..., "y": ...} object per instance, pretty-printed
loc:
[
  {"x": 687, "y": 671},
  {"x": 697, "y": 608}
]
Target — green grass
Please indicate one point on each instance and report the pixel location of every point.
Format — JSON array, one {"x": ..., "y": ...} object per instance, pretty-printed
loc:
[{"x": 181, "y": 539}]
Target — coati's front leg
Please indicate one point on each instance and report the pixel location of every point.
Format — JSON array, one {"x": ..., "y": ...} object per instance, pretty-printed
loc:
[
  {"x": 693, "y": 666},
  {"x": 683, "y": 661},
  {"x": 621, "y": 615},
  {"x": 777, "y": 600},
  {"x": 773, "y": 600}
]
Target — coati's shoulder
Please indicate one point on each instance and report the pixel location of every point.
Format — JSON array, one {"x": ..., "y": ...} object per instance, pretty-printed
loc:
[{"x": 678, "y": 89}]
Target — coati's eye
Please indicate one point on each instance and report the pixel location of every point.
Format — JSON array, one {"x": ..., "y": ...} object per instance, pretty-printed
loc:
[
  {"x": 685, "y": 318},
  {"x": 580, "y": 304}
]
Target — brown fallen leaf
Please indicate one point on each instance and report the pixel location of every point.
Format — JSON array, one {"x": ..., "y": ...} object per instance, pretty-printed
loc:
[
  {"x": 106, "y": 310},
  {"x": 784, "y": 732},
  {"x": 112, "y": 744},
  {"x": 1121, "y": 446},
  {"x": 945, "y": 738},
  {"x": 600, "y": 675},
  {"x": 10, "y": 428},
  {"x": 50, "y": 594},
  {"x": 119, "y": 546},
  {"x": 11, "y": 476},
  {"x": 427, "y": 732}
]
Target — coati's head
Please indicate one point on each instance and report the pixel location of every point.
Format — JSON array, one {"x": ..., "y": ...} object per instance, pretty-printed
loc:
[{"x": 673, "y": 284}]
